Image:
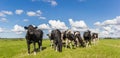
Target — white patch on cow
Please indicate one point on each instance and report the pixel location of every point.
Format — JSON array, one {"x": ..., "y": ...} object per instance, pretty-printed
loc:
[
  {"x": 34, "y": 53},
  {"x": 40, "y": 48}
]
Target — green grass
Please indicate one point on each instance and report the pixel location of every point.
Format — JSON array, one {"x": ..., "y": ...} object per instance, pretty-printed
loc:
[{"x": 106, "y": 48}]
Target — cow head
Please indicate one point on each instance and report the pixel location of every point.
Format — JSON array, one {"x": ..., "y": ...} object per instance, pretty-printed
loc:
[
  {"x": 88, "y": 31},
  {"x": 30, "y": 29}
]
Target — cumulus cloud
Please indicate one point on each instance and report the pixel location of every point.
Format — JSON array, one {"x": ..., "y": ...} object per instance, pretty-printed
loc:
[
  {"x": 18, "y": 29},
  {"x": 52, "y": 2},
  {"x": 37, "y": 13},
  {"x": 7, "y": 12},
  {"x": 31, "y": 13},
  {"x": 3, "y": 13},
  {"x": 3, "y": 20},
  {"x": 1, "y": 30},
  {"x": 44, "y": 26},
  {"x": 114, "y": 21},
  {"x": 97, "y": 23},
  {"x": 57, "y": 24},
  {"x": 78, "y": 25},
  {"x": 109, "y": 28},
  {"x": 19, "y": 11}
]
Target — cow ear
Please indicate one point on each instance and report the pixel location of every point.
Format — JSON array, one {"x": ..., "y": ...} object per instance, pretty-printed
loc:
[
  {"x": 36, "y": 27},
  {"x": 26, "y": 27}
]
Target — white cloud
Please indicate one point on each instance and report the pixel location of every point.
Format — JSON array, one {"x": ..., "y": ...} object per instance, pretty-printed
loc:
[
  {"x": 117, "y": 27},
  {"x": 25, "y": 20},
  {"x": 118, "y": 20},
  {"x": 104, "y": 34},
  {"x": 57, "y": 24},
  {"x": 32, "y": 13},
  {"x": 37, "y": 13},
  {"x": 109, "y": 28},
  {"x": 44, "y": 26},
  {"x": 52, "y": 2},
  {"x": 96, "y": 30},
  {"x": 19, "y": 11},
  {"x": 109, "y": 22},
  {"x": 3, "y": 13},
  {"x": 97, "y": 24},
  {"x": 1, "y": 30},
  {"x": 42, "y": 17},
  {"x": 3, "y": 20},
  {"x": 18, "y": 29},
  {"x": 7, "y": 12},
  {"x": 78, "y": 25}
]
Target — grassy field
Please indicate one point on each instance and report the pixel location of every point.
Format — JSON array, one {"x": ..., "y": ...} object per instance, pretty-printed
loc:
[{"x": 106, "y": 48}]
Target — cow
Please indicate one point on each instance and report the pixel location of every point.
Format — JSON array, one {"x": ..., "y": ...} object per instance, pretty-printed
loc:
[
  {"x": 56, "y": 36},
  {"x": 68, "y": 36},
  {"x": 95, "y": 38},
  {"x": 51, "y": 40},
  {"x": 78, "y": 39},
  {"x": 34, "y": 36},
  {"x": 87, "y": 37}
]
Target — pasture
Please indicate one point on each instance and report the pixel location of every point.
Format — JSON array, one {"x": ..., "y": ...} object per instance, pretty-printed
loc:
[{"x": 106, "y": 48}]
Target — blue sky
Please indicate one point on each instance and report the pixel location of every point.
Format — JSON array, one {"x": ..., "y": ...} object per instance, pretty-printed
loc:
[{"x": 102, "y": 16}]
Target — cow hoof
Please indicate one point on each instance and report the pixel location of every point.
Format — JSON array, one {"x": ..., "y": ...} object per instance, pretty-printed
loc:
[
  {"x": 56, "y": 50},
  {"x": 34, "y": 53},
  {"x": 28, "y": 54}
]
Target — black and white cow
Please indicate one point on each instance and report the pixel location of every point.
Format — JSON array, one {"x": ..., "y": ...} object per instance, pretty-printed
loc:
[
  {"x": 68, "y": 36},
  {"x": 56, "y": 36},
  {"x": 87, "y": 37},
  {"x": 95, "y": 38},
  {"x": 78, "y": 39},
  {"x": 33, "y": 36}
]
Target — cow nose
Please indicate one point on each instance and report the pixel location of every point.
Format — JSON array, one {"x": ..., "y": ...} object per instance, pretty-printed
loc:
[{"x": 31, "y": 33}]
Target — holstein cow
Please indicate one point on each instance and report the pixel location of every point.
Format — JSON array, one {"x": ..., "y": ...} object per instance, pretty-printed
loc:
[
  {"x": 51, "y": 40},
  {"x": 34, "y": 36},
  {"x": 56, "y": 36},
  {"x": 87, "y": 37},
  {"x": 68, "y": 36},
  {"x": 95, "y": 38},
  {"x": 78, "y": 39}
]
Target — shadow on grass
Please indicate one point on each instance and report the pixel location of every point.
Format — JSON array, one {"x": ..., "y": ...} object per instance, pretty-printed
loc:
[{"x": 38, "y": 50}]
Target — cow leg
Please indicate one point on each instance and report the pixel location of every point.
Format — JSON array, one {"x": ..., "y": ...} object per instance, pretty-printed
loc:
[
  {"x": 75, "y": 43},
  {"x": 51, "y": 43},
  {"x": 86, "y": 41},
  {"x": 70, "y": 44},
  {"x": 67, "y": 43},
  {"x": 60, "y": 46},
  {"x": 28, "y": 45},
  {"x": 89, "y": 43},
  {"x": 94, "y": 41},
  {"x": 55, "y": 45},
  {"x": 34, "y": 48},
  {"x": 40, "y": 46}
]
